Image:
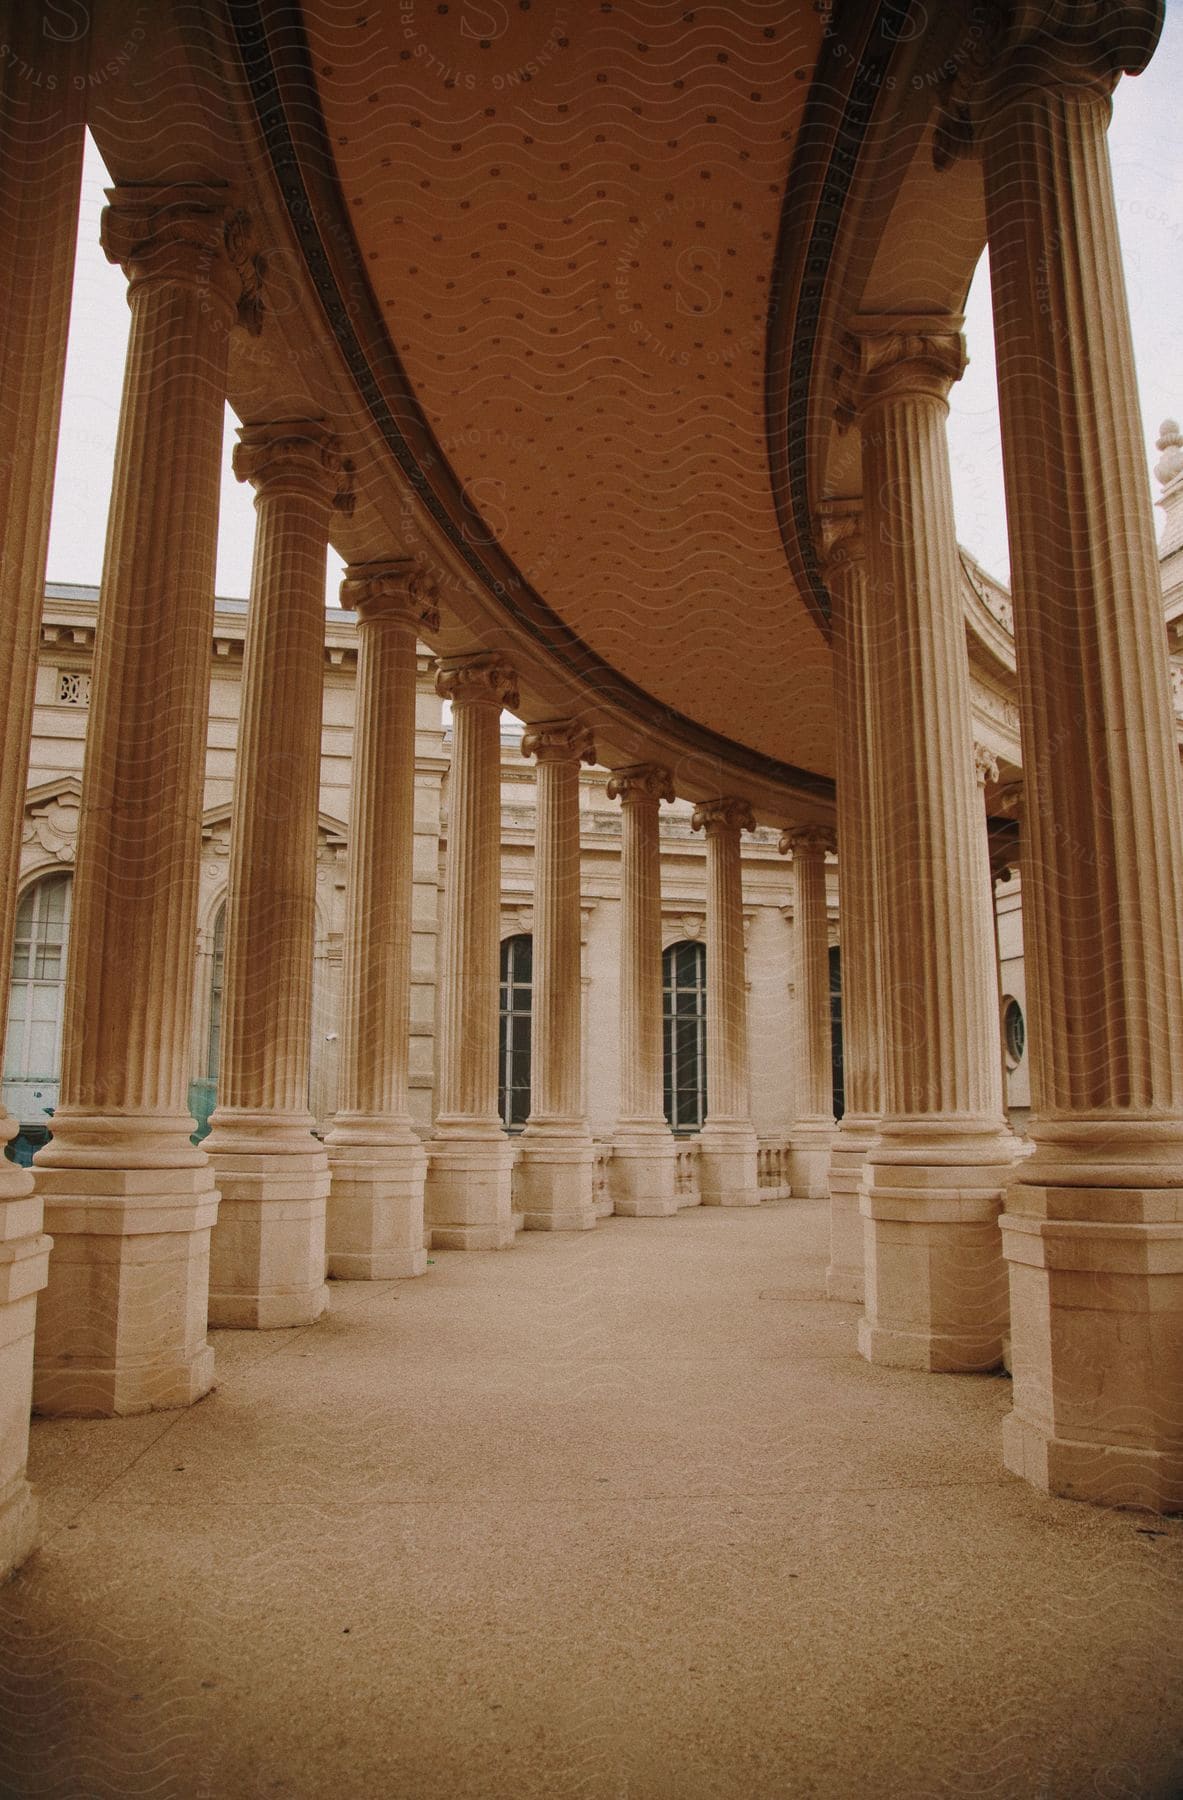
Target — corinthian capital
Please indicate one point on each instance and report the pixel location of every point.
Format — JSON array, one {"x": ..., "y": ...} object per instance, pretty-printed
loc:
[
  {"x": 482, "y": 679},
  {"x": 641, "y": 782},
  {"x": 397, "y": 589},
  {"x": 888, "y": 356},
  {"x": 294, "y": 455},
  {"x": 189, "y": 233},
  {"x": 807, "y": 840},
  {"x": 559, "y": 740},
  {"x": 726, "y": 814},
  {"x": 1010, "y": 49}
]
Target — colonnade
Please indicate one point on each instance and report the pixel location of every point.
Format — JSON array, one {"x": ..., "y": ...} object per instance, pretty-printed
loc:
[{"x": 1086, "y": 1232}]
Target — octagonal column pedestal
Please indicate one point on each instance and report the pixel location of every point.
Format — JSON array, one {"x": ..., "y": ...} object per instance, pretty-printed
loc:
[
  {"x": 812, "y": 1130},
  {"x": 933, "y": 1178},
  {"x": 267, "y": 1258},
  {"x": 728, "y": 1145},
  {"x": 128, "y": 1198},
  {"x": 644, "y": 1156},
  {"x": 553, "y": 1176},
  {"x": 40, "y": 172},
  {"x": 1093, "y": 1229},
  {"x": 374, "y": 1227},
  {"x": 844, "y": 566},
  {"x": 470, "y": 1158}
]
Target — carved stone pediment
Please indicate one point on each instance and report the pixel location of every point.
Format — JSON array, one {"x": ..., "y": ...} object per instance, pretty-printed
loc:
[{"x": 52, "y": 811}]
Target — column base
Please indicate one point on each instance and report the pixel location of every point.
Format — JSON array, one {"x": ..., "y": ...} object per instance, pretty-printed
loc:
[
  {"x": 935, "y": 1285},
  {"x": 374, "y": 1222},
  {"x": 1097, "y": 1344},
  {"x": 553, "y": 1179},
  {"x": 466, "y": 1194},
  {"x": 24, "y": 1262},
  {"x": 809, "y": 1160},
  {"x": 121, "y": 1324},
  {"x": 642, "y": 1174},
  {"x": 844, "y": 1273},
  {"x": 267, "y": 1254},
  {"x": 728, "y": 1165}
]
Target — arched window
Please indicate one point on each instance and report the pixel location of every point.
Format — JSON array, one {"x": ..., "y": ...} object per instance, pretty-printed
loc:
[
  {"x": 33, "y": 1046},
  {"x": 684, "y": 1015},
  {"x": 517, "y": 976}
]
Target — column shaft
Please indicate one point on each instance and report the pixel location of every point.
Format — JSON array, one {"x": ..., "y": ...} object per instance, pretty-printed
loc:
[
  {"x": 375, "y": 1216},
  {"x": 935, "y": 1290},
  {"x": 553, "y": 1179},
  {"x": 1092, "y": 1231},
  {"x": 267, "y": 1262},
  {"x": 862, "y": 1007},
  {"x": 642, "y": 1168},
  {"x": 728, "y": 1144},
  {"x": 40, "y": 171},
  {"x": 128, "y": 1198},
  {"x": 813, "y": 1124},
  {"x": 467, "y": 1195}
]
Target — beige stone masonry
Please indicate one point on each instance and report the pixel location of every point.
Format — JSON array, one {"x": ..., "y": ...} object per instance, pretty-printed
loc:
[
  {"x": 375, "y": 1213},
  {"x": 553, "y": 1177},
  {"x": 933, "y": 1177},
  {"x": 470, "y": 1158},
  {"x": 1093, "y": 1229},
  {"x": 267, "y": 1261},
  {"x": 644, "y": 1158},
  {"x": 728, "y": 1146},
  {"x": 813, "y": 1124},
  {"x": 844, "y": 564},
  {"x": 129, "y": 1200},
  {"x": 40, "y": 174}
]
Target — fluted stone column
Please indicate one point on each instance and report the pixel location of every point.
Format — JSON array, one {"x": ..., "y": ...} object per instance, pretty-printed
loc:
[
  {"x": 644, "y": 1155},
  {"x": 845, "y": 570},
  {"x": 1093, "y": 1229},
  {"x": 267, "y": 1259},
  {"x": 728, "y": 1146},
  {"x": 933, "y": 1178},
  {"x": 374, "y": 1226},
  {"x": 470, "y": 1158},
  {"x": 40, "y": 174},
  {"x": 129, "y": 1200},
  {"x": 813, "y": 1124},
  {"x": 553, "y": 1177}
]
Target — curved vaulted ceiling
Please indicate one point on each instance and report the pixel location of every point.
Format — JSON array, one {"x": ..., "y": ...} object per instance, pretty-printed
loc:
[{"x": 567, "y": 276}]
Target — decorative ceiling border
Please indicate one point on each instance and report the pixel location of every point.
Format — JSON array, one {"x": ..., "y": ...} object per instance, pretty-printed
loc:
[
  {"x": 258, "y": 27},
  {"x": 818, "y": 182}
]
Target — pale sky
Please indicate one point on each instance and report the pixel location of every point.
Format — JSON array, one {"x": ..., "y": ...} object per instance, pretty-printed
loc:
[{"x": 1148, "y": 177}]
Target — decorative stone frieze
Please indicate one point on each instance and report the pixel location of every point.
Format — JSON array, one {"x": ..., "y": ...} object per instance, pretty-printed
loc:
[
  {"x": 643, "y": 1166},
  {"x": 267, "y": 1259},
  {"x": 728, "y": 1146}
]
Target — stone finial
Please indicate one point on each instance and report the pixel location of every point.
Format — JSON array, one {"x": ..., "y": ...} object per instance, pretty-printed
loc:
[
  {"x": 187, "y": 232},
  {"x": 725, "y": 814},
  {"x": 1169, "y": 471},
  {"x": 804, "y": 838},
  {"x": 641, "y": 781},
  {"x": 303, "y": 453},
  {"x": 482, "y": 678},
  {"x": 397, "y": 588},
  {"x": 559, "y": 740}
]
